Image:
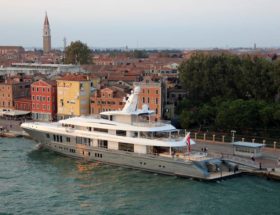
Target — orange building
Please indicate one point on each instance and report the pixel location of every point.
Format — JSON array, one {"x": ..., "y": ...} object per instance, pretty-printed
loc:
[
  {"x": 11, "y": 89},
  {"x": 152, "y": 95},
  {"x": 107, "y": 99}
]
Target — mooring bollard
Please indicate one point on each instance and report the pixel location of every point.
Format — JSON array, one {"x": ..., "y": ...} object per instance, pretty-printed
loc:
[
  {"x": 263, "y": 141},
  {"x": 253, "y": 140},
  {"x": 223, "y": 138},
  {"x": 204, "y": 136},
  {"x": 274, "y": 145},
  {"x": 243, "y": 139},
  {"x": 213, "y": 137},
  {"x": 195, "y": 136}
]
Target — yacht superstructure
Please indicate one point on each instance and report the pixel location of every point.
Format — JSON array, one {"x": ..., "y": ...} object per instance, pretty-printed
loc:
[{"x": 128, "y": 138}]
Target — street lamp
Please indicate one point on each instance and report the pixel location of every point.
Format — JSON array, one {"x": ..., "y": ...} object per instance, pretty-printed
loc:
[{"x": 232, "y": 132}]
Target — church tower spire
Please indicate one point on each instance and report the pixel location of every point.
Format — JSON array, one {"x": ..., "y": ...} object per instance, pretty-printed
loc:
[{"x": 46, "y": 35}]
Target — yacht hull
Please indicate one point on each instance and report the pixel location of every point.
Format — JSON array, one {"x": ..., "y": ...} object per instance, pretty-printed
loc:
[{"x": 146, "y": 162}]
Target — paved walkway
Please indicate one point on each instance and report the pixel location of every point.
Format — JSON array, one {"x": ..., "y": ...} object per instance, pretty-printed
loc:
[
  {"x": 268, "y": 160},
  {"x": 13, "y": 125}
]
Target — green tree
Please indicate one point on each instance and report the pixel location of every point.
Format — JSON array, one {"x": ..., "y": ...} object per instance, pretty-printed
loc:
[{"x": 77, "y": 53}]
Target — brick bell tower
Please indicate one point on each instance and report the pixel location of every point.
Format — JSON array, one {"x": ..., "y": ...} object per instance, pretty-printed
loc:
[{"x": 46, "y": 35}]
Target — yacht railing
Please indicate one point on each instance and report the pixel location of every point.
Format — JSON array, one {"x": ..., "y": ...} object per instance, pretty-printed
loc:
[
  {"x": 175, "y": 135},
  {"x": 151, "y": 123}
]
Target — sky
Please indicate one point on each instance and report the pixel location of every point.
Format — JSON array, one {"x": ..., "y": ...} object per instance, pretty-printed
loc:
[{"x": 143, "y": 23}]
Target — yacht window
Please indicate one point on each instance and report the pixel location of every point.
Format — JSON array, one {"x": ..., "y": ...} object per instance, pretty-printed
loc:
[
  {"x": 161, "y": 134},
  {"x": 60, "y": 139},
  {"x": 79, "y": 140},
  {"x": 68, "y": 139},
  {"x": 86, "y": 141},
  {"x": 103, "y": 144},
  {"x": 101, "y": 130},
  {"x": 121, "y": 133},
  {"x": 48, "y": 135},
  {"x": 126, "y": 147},
  {"x": 146, "y": 134},
  {"x": 104, "y": 117}
]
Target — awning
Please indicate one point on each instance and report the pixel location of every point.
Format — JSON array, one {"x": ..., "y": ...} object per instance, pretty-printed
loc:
[{"x": 15, "y": 113}]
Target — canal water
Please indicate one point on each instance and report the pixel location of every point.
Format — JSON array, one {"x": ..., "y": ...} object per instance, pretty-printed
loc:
[{"x": 41, "y": 182}]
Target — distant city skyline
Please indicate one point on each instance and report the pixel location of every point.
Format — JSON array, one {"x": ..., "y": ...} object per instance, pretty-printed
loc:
[{"x": 143, "y": 23}]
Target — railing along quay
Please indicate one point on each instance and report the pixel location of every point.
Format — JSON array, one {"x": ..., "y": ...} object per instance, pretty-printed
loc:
[{"x": 218, "y": 138}]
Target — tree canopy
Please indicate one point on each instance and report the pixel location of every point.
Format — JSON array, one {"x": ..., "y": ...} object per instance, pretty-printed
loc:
[
  {"x": 230, "y": 92},
  {"x": 77, "y": 53}
]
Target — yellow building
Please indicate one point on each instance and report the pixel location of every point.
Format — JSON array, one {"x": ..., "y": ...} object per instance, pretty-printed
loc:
[{"x": 73, "y": 96}]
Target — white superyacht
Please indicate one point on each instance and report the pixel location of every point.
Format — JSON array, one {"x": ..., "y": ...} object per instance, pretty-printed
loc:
[{"x": 128, "y": 138}]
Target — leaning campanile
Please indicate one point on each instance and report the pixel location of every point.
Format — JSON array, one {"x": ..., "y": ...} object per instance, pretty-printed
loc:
[{"x": 46, "y": 35}]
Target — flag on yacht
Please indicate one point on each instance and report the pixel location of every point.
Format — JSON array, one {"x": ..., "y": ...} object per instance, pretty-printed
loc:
[{"x": 188, "y": 141}]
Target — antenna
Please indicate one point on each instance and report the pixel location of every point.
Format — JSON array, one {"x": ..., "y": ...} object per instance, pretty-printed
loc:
[{"x": 64, "y": 43}]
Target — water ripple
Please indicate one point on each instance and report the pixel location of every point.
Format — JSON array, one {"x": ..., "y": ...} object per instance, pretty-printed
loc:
[{"x": 41, "y": 182}]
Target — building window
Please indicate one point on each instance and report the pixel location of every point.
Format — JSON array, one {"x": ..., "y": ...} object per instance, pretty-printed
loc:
[
  {"x": 68, "y": 139},
  {"x": 148, "y": 100},
  {"x": 33, "y": 89},
  {"x": 156, "y": 100},
  {"x": 48, "y": 98},
  {"x": 143, "y": 99},
  {"x": 48, "y": 136},
  {"x": 156, "y": 91},
  {"x": 37, "y": 89},
  {"x": 43, "y": 89},
  {"x": 38, "y": 98}
]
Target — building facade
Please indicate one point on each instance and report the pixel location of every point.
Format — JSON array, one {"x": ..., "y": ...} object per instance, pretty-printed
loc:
[
  {"x": 6, "y": 50},
  {"x": 44, "y": 102},
  {"x": 24, "y": 104},
  {"x": 107, "y": 99},
  {"x": 11, "y": 89},
  {"x": 152, "y": 95},
  {"x": 73, "y": 96},
  {"x": 46, "y": 36}
]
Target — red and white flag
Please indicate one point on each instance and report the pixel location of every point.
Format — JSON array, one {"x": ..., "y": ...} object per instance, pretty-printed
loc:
[{"x": 188, "y": 141}]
